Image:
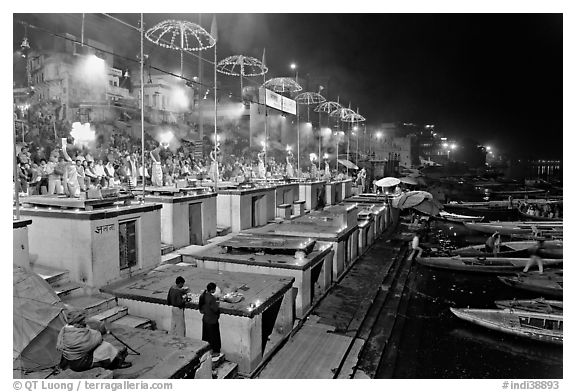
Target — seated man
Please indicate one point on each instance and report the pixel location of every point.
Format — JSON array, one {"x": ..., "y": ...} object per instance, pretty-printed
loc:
[{"x": 83, "y": 347}]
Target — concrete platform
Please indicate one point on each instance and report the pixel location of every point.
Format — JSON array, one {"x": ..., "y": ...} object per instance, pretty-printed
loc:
[
  {"x": 249, "y": 333},
  {"x": 162, "y": 356}
]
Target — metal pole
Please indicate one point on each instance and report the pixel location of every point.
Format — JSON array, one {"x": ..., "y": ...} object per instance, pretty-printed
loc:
[
  {"x": 16, "y": 179},
  {"x": 142, "y": 106},
  {"x": 357, "y": 137},
  {"x": 298, "y": 136},
  {"x": 215, "y": 118},
  {"x": 265, "y": 133},
  {"x": 348, "y": 148},
  {"x": 200, "y": 99}
]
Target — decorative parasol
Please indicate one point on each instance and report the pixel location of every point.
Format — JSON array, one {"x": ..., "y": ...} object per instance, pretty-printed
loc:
[
  {"x": 240, "y": 65},
  {"x": 341, "y": 112},
  {"x": 387, "y": 182},
  {"x": 410, "y": 199},
  {"x": 409, "y": 180},
  {"x": 180, "y": 35},
  {"x": 351, "y": 118},
  {"x": 428, "y": 207},
  {"x": 282, "y": 85},
  {"x": 309, "y": 98}
]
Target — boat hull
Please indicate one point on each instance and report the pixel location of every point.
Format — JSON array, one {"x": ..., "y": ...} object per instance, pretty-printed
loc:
[
  {"x": 518, "y": 323},
  {"x": 547, "y": 284},
  {"x": 488, "y": 265},
  {"x": 551, "y": 250},
  {"x": 538, "y": 305}
]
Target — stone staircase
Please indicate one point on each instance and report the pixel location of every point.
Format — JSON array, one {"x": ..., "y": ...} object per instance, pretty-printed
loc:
[{"x": 104, "y": 307}]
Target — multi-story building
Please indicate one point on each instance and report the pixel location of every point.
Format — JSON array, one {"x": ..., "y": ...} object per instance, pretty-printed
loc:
[
  {"x": 81, "y": 80},
  {"x": 390, "y": 144}
]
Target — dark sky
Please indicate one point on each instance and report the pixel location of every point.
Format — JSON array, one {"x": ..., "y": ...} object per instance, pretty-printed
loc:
[{"x": 497, "y": 78}]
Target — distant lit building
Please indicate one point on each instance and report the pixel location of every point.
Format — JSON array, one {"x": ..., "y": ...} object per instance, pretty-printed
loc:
[{"x": 81, "y": 80}]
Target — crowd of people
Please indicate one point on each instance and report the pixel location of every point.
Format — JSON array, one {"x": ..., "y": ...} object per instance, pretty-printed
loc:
[{"x": 69, "y": 170}]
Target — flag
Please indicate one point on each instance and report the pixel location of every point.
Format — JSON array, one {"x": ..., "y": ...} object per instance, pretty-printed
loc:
[
  {"x": 264, "y": 57},
  {"x": 214, "y": 29}
]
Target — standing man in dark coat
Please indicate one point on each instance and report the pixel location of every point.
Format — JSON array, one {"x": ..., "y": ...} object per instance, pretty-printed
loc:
[{"x": 208, "y": 306}]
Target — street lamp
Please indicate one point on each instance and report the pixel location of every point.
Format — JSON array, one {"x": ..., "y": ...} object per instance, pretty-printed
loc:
[{"x": 294, "y": 68}]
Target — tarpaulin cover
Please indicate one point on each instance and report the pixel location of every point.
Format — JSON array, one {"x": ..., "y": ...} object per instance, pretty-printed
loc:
[{"x": 37, "y": 319}]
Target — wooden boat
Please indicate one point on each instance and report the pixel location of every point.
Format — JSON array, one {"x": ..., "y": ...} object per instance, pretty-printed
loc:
[
  {"x": 510, "y": 228},
  {"x": 551, "y": 250},
  {"x": 538, "y": 305},
  {"x": 550, "y": 283},
  {"x": 515, "y": 347},
  {"x": 519, "y": 192},
  {"x": 459, "y": 218},
  {"x": 490, "y": 213},
  {"x": 491, "y": 265},
  {"x": 528, "y": 217},
  {"x": 536, "y": 326}
]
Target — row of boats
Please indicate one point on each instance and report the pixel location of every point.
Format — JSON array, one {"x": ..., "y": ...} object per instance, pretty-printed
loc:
[{"x": 539, "y": 319}]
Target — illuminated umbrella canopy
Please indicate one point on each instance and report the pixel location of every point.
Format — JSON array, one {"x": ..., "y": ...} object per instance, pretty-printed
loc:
[
  {"x": 327, "y": 107},
  {"x": 180, "y": 35},
  {"x": 310, "y": 98},
  {"x": 240, "y": 65},
  {"x": 341, "y": 113},
  {"x": 352, "y": 117},
  {"x": 282, "y": 85},
  {"x": 387, "y": 182}
]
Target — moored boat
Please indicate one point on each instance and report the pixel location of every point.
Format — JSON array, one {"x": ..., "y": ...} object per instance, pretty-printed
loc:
[
  {"x": 529, "y": 217},
  {"x": 550, "y": 283},
  {"x": 459, "y": 218},
  {"x": 538, "y": 305},
  {"x": 536, "y": 326},
  {"x": 491, "y": 265},
  {"x": 516, "y": 228},
  {"x": 551, "y": 250}
]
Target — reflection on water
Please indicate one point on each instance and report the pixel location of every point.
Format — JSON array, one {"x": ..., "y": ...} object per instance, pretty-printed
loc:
[{"x": 436, "y": 344}]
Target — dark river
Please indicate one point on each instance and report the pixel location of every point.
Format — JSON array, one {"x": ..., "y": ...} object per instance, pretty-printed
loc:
[{"x": 436, "y": 344}]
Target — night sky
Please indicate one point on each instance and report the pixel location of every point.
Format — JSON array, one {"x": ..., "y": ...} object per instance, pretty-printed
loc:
[{"x": 496, "y": 78}]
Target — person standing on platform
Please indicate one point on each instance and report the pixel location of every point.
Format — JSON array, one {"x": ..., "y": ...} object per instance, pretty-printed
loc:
[
  {"x": 208, "y": 306},
  {"x": 536, "y": 257},
  {"x": 157, "y": 175},
  {"x": 416, "y": 247},
  {"x": 361, "y": 180},
  {"x": 492, "y": 244},
  {"x": 177, "y": 298}
]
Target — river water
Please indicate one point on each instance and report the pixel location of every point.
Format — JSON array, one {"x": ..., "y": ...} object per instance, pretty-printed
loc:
[{"x": 436, "y": 344}]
